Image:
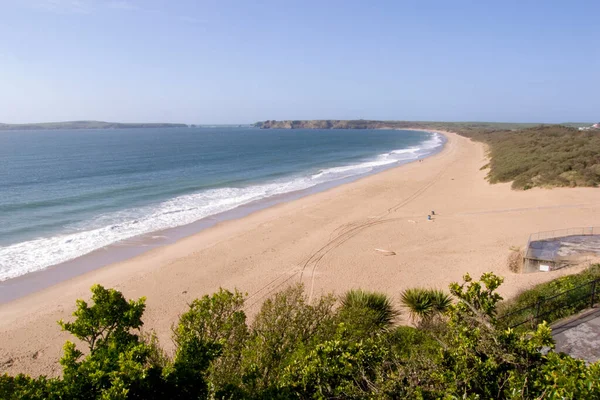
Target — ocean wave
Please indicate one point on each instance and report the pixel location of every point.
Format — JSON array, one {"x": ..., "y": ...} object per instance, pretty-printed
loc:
[{"x": 117, "y": 227}]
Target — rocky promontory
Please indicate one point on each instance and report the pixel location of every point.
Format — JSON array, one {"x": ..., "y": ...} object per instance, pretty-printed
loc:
[{"x": 330, "y": 124}]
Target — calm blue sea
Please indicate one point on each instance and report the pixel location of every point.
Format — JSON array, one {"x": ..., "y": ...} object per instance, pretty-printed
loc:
[{"x": 64, "y": 194}]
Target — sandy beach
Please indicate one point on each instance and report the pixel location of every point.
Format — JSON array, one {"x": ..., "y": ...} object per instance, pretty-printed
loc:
[{"x": 328, "y": 241}]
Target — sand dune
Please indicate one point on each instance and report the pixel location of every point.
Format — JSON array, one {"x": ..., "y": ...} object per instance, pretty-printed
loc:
[{"x": 372, "y": 234}]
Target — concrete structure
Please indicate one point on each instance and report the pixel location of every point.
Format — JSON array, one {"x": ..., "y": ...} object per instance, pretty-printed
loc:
[
  {"x": 548, "y": 251},
  {"x": 579, "y": 335}
]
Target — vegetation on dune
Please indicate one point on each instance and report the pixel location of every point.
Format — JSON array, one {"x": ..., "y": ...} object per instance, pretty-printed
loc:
[
  {"x": 296, "y": 349},
  {"x": 545, "y": 156},
  {"x": 533, "y": 155}
]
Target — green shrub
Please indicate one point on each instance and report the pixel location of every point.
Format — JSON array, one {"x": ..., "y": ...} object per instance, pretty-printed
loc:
[
  {"x": 378, "y": 304},
  {"x": 218, "y": 319},
  {"x": 286, "y": 325},
  {"x": 301, "y": 349}
]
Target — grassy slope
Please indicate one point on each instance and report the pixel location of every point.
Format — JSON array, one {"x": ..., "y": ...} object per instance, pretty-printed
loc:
[
  {"x": 542, "y": 156},
  {"x": 560, "y": 298}
]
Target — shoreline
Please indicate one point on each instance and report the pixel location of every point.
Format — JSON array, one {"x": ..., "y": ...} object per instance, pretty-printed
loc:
[
  {"x": 326, "y": 241},
  {"x": 29, "y": 283}
]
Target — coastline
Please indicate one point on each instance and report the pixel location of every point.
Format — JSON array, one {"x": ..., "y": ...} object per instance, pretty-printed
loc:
[
  {"x": 324, "y": 240},
  {"x": 20, "y": 286}
]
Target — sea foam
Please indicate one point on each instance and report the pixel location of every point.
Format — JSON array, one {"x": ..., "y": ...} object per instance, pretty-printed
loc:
[{"x": 117, "y": 227}]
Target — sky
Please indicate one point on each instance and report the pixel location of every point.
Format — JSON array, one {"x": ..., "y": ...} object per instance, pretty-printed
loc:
[{"x": 220, "y": 62}]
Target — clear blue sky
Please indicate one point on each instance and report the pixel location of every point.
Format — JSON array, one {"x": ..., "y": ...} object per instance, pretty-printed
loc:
[{"x": 240, "y": 61}]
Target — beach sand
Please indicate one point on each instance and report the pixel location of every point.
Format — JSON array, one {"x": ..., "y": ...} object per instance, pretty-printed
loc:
[{"x": 326, "y": 240}]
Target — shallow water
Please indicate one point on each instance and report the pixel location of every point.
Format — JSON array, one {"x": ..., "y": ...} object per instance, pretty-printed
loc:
[{"x": 64, "y": 194}]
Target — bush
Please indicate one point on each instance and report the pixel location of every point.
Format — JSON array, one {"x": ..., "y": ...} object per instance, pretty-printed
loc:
[
  {"x": 285, "y": 328},
  {"x": 515, "y": 260},
  {"x": 378, "y": 304},
  {"x": 218, "y": 319},
  {"x": 296, "y": 349}
]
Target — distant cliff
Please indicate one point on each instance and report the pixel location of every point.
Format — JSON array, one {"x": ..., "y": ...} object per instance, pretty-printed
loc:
[
  {"x": 331, "y": 124},
  {"x": 463, "y": 128},
  {"x": 86, "y": 125}
]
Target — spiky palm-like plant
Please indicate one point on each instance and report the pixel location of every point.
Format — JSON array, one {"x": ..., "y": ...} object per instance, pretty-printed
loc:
[
  {"x": 441, "y": 301},
  {"x": 378, "y": 303},
  {"x": 418, "y": 302},
  {"x": 424, "y": 304}
]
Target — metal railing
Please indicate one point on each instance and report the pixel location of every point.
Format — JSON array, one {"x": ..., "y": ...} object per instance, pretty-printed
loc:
[
  {"x": 540, "y": 250},
  {"x": 557, "y": 233},
  {"x": 555, "y": 307}
]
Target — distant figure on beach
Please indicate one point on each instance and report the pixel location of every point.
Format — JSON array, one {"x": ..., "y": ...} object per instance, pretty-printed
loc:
[
  {"x": 429, "y": 217},
  {"x": 432, "y": 212}
]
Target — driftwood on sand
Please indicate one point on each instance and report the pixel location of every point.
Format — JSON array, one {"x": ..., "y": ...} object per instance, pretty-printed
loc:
[{"x": 386, "y": 252}]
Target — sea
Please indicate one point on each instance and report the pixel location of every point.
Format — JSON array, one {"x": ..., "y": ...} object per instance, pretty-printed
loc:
[{"x": 67, "y": 193}]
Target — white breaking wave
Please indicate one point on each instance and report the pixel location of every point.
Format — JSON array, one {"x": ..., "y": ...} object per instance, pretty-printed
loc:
[{"x": 34, "y": 255}]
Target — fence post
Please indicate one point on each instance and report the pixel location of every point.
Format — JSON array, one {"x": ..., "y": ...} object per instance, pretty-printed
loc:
[
  {"x": 593, "y": 294},
  {"x": 537, "y": 312}
]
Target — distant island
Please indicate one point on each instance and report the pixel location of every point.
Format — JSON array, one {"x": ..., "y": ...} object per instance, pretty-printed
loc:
[{"x": 86, "y": 125}]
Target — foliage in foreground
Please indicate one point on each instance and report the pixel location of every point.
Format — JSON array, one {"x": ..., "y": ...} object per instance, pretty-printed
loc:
[
  {"x": 425, "y": 304},
  {"x": 295, "y": 349}
]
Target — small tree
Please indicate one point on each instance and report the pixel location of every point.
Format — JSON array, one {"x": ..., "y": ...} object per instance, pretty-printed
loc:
[
  {"x": 116, "y": 358},
  {"x": 120, "y": 364},
  {"x": 286, "y": 324},
  {"x": 218, "y": 320},
  {"x": 109, "y": 320}
]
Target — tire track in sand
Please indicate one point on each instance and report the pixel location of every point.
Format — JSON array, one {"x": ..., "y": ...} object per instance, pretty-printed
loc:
[{"x": 344, "y": 232}]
